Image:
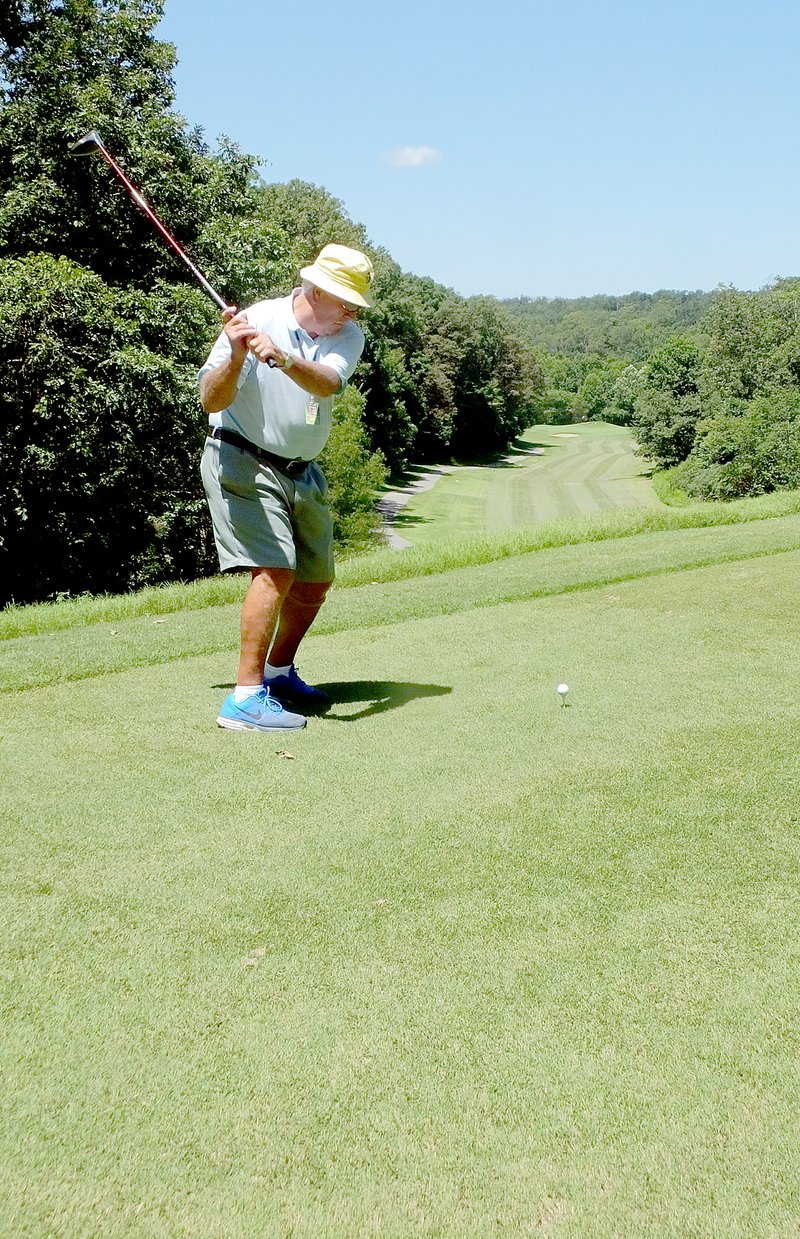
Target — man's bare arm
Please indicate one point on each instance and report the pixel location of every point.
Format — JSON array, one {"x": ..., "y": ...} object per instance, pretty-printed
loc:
[
  {"x": 218, "y": 387},
  {"x": 313, "y": 376}
]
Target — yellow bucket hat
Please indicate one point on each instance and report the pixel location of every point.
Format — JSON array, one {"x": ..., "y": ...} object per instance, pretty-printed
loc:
[{"x": 342, "y": 272}]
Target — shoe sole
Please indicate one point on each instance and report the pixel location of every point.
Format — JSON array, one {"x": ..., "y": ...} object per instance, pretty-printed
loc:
[{"x": 230, "y": 724}]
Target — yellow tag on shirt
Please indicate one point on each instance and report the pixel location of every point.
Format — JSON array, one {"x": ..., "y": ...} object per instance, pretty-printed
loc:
[{"x": 312, "y": 411}]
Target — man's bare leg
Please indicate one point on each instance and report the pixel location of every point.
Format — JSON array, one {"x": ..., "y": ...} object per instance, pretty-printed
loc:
[
  {"x": 297, "y": 613},
  {"x": 261, "y": 609}
]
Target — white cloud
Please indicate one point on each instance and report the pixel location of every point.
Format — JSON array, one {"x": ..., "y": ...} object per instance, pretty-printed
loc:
[{"x": 412, "y": 156}]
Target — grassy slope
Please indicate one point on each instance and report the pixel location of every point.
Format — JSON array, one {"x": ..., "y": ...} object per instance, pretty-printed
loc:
[
  {"x": 469, "y": 963},
  {"x": 557, "y": 471},
  {"x": 97, "y": 648},
  {"x": 384, "y": 566}
]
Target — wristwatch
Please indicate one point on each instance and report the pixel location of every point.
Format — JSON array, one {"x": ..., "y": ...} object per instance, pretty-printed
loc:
[{"x": 288, "y": 361}]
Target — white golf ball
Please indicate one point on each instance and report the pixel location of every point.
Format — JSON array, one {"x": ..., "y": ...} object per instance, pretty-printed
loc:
[{"x": 563, "y": 689}]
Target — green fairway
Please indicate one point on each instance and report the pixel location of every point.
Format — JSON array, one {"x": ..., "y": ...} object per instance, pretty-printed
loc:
[
  {"x": 453, "y": 961},
  {"x": 553, "y": 472}
]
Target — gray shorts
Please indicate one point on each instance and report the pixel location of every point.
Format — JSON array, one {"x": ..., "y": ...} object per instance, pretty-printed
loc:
[{"x": 264, "y": 519}]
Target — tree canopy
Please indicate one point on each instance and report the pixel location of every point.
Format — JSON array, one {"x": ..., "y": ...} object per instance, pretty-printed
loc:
[{"x": 746, "y": 440}]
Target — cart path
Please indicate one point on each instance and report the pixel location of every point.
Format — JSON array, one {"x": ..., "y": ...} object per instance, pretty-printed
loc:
[{"x": 393, "y": 501}]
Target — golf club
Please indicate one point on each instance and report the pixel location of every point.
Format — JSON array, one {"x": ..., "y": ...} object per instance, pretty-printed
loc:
[{"x": 90, "y": 144}]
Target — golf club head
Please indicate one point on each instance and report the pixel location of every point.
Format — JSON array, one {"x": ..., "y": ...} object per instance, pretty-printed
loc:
[{"x": 89, "y": 144}]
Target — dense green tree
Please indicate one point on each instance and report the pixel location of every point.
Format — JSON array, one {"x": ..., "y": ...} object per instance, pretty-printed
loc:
[
  {"x": 586, "y": 343},
  {"x": 668, "y": 405},
  {"x": 748, "y": 440},
  {"x": 68, "y": 66},
  {"x": 311, "y": 217},
  {"x": 391, "y": 367},
  {"x": 455, "y": 375},
  {"x": 630, "y": 327},
  {"x": 626, "y": 390},
  {"x": 580, "y": 386},
  {"x": 747, "y": 451},
  {"x": 354, "y": 474},
  {"x": 99, "y": 433},
  {"x": 754, "y": 340},
  {"x": 496, "y": 377},
  {"x": 596, "y": 393}
]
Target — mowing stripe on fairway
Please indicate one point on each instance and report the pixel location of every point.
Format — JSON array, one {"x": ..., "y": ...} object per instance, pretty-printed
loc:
[{"x": 555, "y": 472}]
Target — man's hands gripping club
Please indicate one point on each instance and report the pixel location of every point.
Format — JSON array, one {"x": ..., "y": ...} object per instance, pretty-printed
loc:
[
  {"x": 219, "y": 386},
  {"x": 243, "y": 339}
]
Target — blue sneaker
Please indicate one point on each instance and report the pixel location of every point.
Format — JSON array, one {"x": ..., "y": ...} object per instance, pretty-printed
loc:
[
  {"x": 258, "y": 713},
  {"x": 292, "y": 691}
]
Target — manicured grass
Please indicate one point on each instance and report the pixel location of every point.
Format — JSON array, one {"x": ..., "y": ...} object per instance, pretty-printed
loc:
[
  {"x": 554, "y": 472},
  {"x": 466, "y": 962},
  {"x": 94, "y": 649},
  {"x": 387, "y": 565}
]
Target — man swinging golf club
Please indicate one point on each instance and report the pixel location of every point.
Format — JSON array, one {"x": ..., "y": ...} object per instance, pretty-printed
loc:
[{"x": 270, "y": 380}]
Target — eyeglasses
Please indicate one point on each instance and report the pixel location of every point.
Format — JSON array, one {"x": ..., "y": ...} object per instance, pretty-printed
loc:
[{"x": 343, "y": 307}]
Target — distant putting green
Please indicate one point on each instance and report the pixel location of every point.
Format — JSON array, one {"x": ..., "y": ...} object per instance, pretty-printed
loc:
[{"x": 551, "y": 473}]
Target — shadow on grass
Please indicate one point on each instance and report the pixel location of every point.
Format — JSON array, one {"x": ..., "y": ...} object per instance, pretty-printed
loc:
[
  {"x": 378, "y": 696},
  {"x": 412, "y": 474},
  {"x": 510, "y": 457},
  {"x": 402, "y": 517},
  {"x": 526, "y": 447}
]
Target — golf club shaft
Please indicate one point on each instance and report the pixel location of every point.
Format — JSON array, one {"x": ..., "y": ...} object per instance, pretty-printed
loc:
[{"x": 165, "y": 233}]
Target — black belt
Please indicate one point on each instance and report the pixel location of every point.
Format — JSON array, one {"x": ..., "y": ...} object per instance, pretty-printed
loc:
[{"x": 292, "y": 468}]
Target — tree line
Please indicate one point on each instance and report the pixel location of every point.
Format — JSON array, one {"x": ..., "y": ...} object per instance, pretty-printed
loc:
[
  {"x": 721, "y": 410},
  {"x": 709, "y": 382},
  {"x": 593, "y": 347},
  {"x": 101, "y": 334}
]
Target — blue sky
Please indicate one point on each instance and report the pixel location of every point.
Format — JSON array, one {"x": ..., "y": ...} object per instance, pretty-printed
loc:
[{"x": 522, "y": 149}]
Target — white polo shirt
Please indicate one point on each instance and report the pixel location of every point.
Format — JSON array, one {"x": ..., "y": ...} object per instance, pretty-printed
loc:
[{"x": 269, "y": 408}]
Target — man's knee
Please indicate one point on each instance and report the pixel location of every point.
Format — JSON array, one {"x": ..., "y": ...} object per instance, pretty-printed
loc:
[
  {"x": 277, "y": 580},
  {"x": 308, "y": 593}
]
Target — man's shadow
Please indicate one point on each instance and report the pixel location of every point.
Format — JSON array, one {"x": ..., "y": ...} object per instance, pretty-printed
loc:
[
  {"x": 381, "y": 695},
  {"x": 378, "y": 696}
]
